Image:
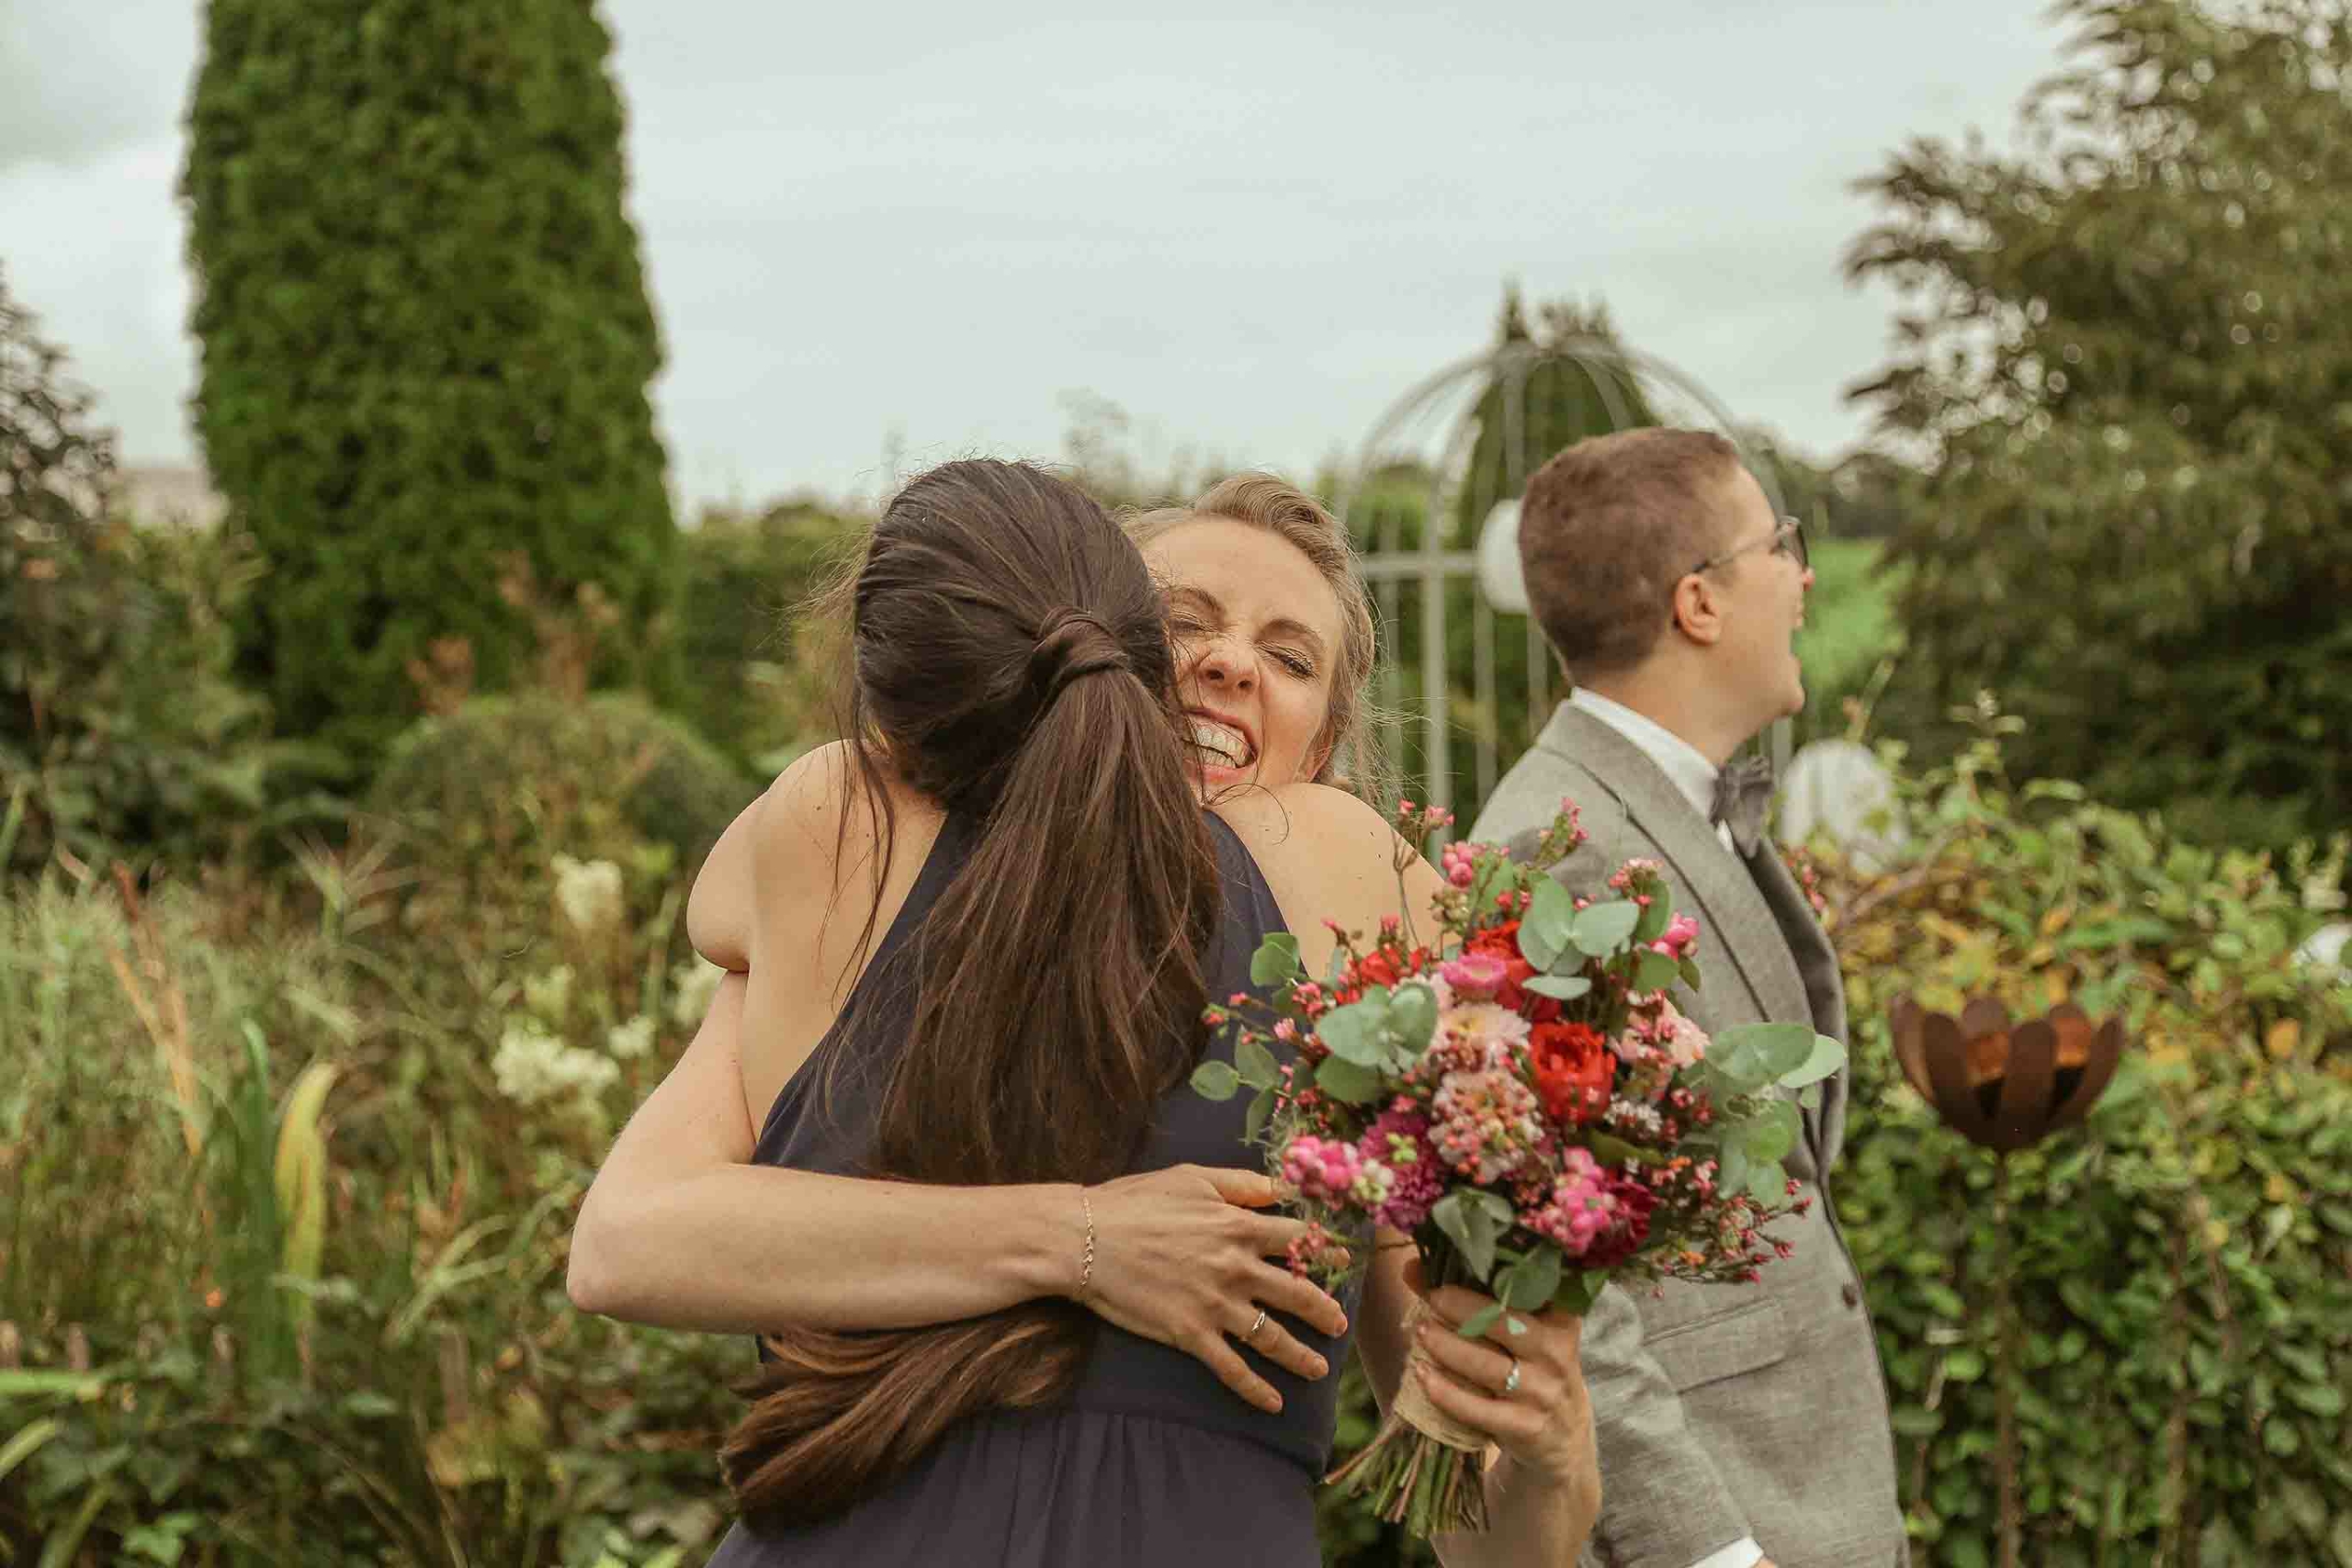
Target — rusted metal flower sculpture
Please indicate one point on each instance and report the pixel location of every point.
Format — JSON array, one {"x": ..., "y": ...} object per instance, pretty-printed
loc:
[{"x": 2003, "y": 1085}]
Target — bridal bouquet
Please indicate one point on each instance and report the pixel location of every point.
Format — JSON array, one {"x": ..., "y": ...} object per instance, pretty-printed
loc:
[{"x": 1523, "y": 1098}]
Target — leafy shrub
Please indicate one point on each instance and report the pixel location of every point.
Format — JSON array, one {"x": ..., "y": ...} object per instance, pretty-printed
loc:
[
  {"x": 755, "y": 675},
  {"x": 2181, "y": 1270},
  {"x": 512, "y": 781}
]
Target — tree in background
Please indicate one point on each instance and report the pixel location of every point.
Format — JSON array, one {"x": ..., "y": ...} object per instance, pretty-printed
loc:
[
  {"x": 2126, "y": 353},
  {"x": 765, "y": 667},
  {"x": 121, "y": 731},
  {"x": 425, "y": 337},
  {"x": 1571, "y": 389}
]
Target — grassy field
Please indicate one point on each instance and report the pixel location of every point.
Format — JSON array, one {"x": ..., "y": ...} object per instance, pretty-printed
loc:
[{"x": 1850, "y": 631}]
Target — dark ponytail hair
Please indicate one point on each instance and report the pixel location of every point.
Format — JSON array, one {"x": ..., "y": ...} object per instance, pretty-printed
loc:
[{"x": 1011, "y": 663}]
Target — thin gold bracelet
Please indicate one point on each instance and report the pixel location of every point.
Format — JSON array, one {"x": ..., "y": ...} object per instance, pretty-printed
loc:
[{"x": 1086, "y": 1266}]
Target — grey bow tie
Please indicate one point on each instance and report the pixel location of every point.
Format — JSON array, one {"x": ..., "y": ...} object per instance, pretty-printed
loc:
[{"x": 1743, "y": 789}]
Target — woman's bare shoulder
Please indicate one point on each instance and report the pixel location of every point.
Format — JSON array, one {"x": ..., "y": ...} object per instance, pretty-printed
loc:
[
  {"x": 1315, "y": 841},
  {"x": 1304, "y": 819},
  {"x": 793, "y": 834}
]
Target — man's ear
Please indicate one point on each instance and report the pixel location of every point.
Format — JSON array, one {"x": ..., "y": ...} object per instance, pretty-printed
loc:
[{"x": 1698, "y": 610}]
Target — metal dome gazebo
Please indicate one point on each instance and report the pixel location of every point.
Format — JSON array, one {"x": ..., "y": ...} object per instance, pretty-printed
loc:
[{"x": 1433, "y": 503}]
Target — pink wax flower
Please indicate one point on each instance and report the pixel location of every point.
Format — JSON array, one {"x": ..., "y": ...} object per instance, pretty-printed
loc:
[
  {"x": 1680, "y": 937},
  {"x": 1488, "y": 1123},
  {"x": 1686, "y": 1044},
  {"x": 1322, "y": 1169},
  {"x": 1581, "y": 1206},
  {"x": 1330, "y": 1171}
]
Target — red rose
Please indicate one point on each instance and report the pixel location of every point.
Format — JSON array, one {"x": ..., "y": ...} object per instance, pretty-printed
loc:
[
  {"x": 1502, "y": 943},
  {"x": 1376, "y": 969},
  {"x": 1574, "y": 1069}
]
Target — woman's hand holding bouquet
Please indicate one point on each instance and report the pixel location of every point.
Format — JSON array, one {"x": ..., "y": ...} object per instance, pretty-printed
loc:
[{"x": 1522, "y": 1098}]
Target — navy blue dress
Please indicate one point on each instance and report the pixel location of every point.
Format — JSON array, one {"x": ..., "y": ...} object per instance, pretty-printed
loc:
[{"x": 1152, "y": 1462}]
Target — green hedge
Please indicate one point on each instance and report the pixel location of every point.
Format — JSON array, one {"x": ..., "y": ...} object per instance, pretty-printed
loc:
[{"x": 2182, "y": 1267}]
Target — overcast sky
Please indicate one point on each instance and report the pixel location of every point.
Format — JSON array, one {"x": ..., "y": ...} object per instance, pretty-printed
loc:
[{"x": 1251, "y": 228}]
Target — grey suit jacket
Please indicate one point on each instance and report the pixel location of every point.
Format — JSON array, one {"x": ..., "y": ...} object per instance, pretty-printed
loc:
[{"x": 1724, "y": 1410}]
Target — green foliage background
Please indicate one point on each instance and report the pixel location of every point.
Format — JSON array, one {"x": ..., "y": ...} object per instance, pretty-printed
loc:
[
  {"x": 2182, "y": 1268},
  {"x": 2126, "y": 362},
  {"x": 426, "y": 341}
]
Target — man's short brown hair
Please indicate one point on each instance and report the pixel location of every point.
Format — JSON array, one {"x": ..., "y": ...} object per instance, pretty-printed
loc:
[{"x": 1605, "y": 531}]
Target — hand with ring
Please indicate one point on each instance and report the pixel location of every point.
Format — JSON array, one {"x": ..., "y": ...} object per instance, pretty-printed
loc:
[
  {"x": 1184, "y": 1256},
  {"x": 1525, "y": 1391}
]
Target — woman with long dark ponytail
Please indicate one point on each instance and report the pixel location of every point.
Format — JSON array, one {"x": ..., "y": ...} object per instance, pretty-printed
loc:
[{"x": 1008, "y": 1273}]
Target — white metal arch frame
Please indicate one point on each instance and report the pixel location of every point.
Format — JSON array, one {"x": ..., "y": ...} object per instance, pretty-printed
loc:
[{"x": 1446, "y": 405}]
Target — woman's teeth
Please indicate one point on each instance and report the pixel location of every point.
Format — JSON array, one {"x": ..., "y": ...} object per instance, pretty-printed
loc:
[{"x": 1221, "y": 743}]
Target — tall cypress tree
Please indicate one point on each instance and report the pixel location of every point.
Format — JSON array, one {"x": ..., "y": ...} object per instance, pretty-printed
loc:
[{"x": 425, "y": 335}]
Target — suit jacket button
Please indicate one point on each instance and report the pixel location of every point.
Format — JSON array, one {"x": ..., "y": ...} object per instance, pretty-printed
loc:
[{"x": 1852, "y": 1292}]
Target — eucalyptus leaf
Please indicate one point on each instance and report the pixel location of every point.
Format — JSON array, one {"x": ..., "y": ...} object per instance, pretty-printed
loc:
[
  {"x": 1611, "y": 1151},
  {"x": 1559, "y": 987},
  {"x": 1276, "y": 962},
  {"x": 1539, "y": 947},
  {"x": 1530, "y": 1283},
  {"x": 1603, "y": 929},
  {"x": 1773, "y": 1133},
  {"x": 1260, "y": 1109},
  {"x": 1352, "y": 1034},
  {"x": 1826, "y": 1058},
  {"x": 1690, "y": 968},
  {"x": 1763, "y": 1053},
  {"x": 1656, "y": 918},
  {"x": 1578, "y": 1290},
  {"x": 1216, "y": 1080},
  {"x": 1469, "y": 1218},
  {"x": 1551, "y": 910},
  {"x": 1732, "y": 1170},
  {"x": 1256, "y": 1064},
  {"x": 1412, "y": 1016},
  {"x": 1656, "y": 972},
  {"x": 1475, "y": 1325},
  {"x": 1346, "y": 1082}
]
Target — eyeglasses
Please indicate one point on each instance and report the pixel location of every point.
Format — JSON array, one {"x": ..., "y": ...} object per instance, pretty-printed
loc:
[{"x": 1788, "y": 539}]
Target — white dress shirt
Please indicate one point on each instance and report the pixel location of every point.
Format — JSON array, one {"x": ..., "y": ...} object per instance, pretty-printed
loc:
[
  {"x": 1683, "y": 764},
  {"x": 1691, "y": 773}
]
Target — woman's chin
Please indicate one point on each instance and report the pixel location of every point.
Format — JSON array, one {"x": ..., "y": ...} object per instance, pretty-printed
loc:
[{"x": 1214, "y": 778}]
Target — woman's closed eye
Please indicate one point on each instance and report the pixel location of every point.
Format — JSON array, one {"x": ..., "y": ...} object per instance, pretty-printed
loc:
[{"x": 1297, "y": 663}]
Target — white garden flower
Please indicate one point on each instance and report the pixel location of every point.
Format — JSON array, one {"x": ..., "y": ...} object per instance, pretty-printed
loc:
[
  {"x": 533, "y": 1066},
  {"x": 588, "y": 891},
  {"x": 548, "y": 993},
  {"x": 631, "y": 1040},
  {"x": 692, "y": 985}
]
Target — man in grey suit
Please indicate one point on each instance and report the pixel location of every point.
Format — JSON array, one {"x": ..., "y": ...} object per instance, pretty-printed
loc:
[{"x": 1738, "y": 1424}]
